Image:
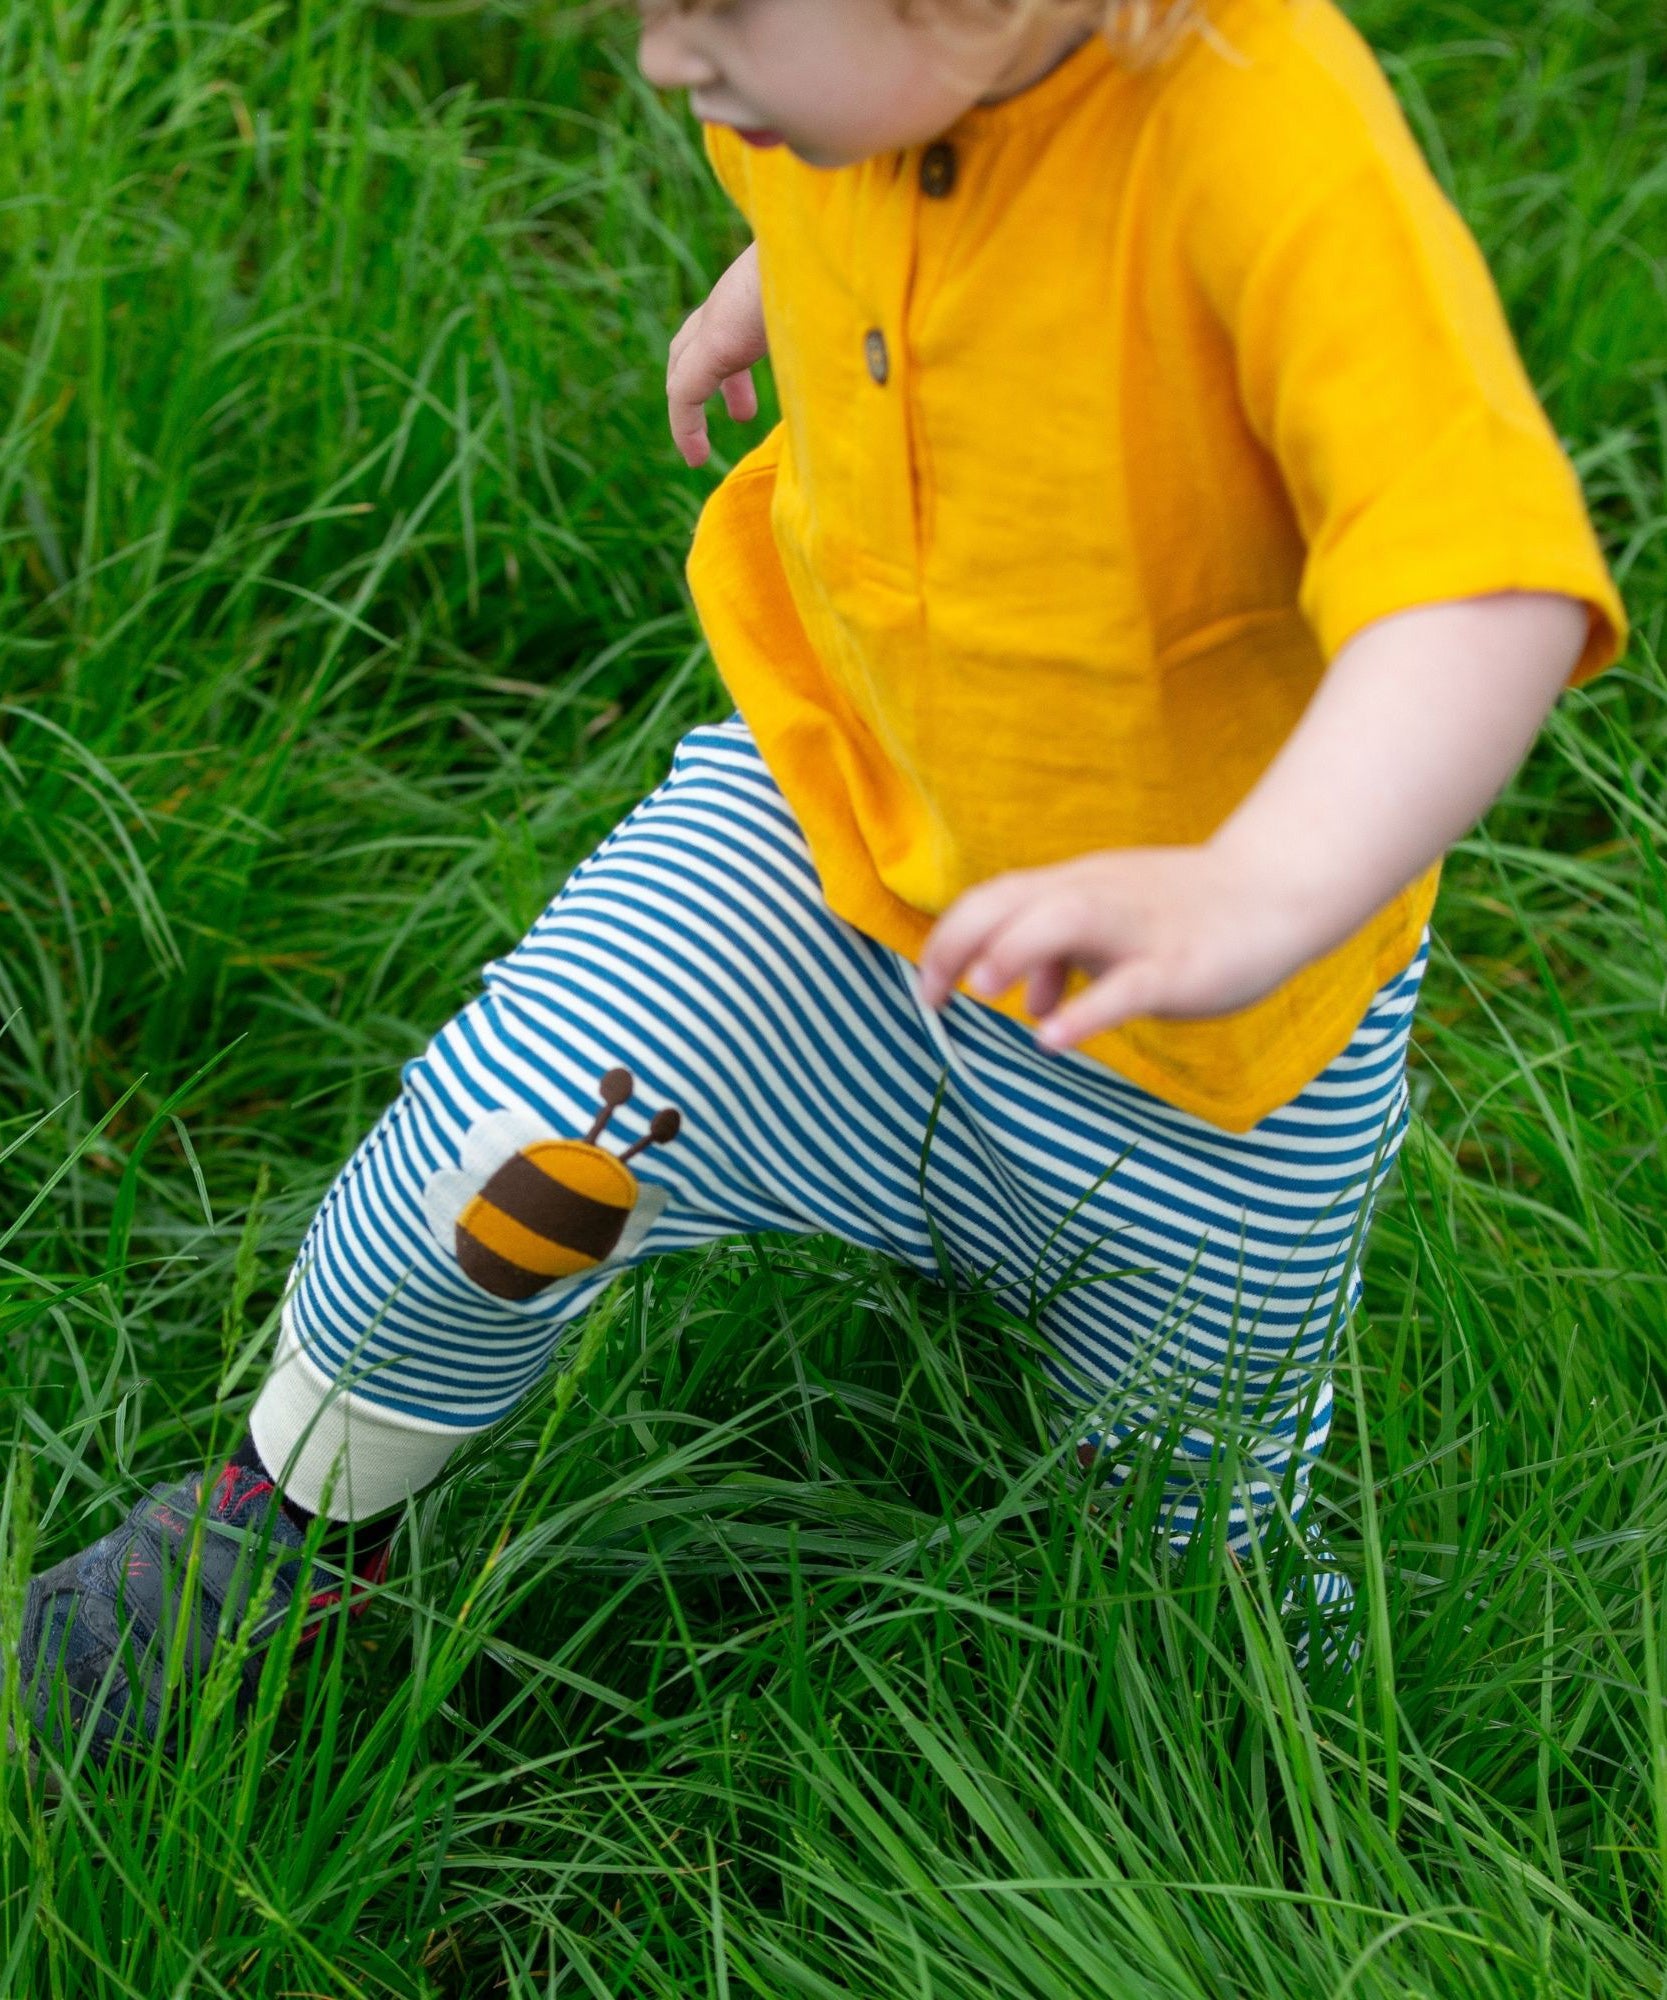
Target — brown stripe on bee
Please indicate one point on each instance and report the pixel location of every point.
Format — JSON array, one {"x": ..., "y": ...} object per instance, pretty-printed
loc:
[
  {"x": 522, "y": 1247},
  {"x": 530, "y": 1197},
  {"x": 493, "y": 1273}
]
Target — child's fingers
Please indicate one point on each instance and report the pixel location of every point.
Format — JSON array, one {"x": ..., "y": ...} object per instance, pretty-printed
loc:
[
  {"x": 1123, "y": 994},
  {"x": 685, "y": 408},
  {"x": 960, "y": 933},
  {"x": 1046, "y": 987},
  {"x": 1039, "y": 933},
  {"x": 688, "y": 417},
  {"x": 691, "y": 379},
  {"x": 688, "y": 429},
  {"x": 681, "y": 341},
  {"x": 687, "y": 392},
  {"x": 740, "y": 395}
]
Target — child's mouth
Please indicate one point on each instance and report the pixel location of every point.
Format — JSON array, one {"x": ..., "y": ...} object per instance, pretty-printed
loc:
[{"x": 759, "y": 138}]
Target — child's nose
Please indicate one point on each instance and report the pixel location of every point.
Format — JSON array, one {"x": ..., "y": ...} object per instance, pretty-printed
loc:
[{"x": 666, "y": 59}]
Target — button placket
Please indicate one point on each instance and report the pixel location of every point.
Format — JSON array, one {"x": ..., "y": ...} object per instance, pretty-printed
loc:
[
  {"x": 888, "y": 522},
  {"x": 935, "y": 179}
]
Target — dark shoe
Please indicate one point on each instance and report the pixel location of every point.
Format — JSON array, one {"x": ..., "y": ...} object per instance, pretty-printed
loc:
[{"x": 96, "y": 1628}]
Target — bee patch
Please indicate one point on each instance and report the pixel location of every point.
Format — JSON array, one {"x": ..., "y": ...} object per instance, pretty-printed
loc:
[{"x": 528, "y": 1209}]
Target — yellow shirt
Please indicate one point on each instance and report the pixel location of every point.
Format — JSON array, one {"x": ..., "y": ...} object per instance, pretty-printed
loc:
[{"x": 1107, "y": 419}]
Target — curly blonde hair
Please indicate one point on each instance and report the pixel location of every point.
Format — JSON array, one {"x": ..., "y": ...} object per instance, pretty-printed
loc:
[{"x": 1139, "y": 31}]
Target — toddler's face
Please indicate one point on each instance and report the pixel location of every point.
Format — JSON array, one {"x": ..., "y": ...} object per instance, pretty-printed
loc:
[{"x": 839, "y": 80}]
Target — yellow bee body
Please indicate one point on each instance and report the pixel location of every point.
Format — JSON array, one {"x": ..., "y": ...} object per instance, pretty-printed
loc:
[{"x": 553, "y": 1209}]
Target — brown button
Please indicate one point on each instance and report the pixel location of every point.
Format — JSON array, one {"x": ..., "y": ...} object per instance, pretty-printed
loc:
[
  {"x": 937, "y": 169},
  {"x": 874, "y": 346}
]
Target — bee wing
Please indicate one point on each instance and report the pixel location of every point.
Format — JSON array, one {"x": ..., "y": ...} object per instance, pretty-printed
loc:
[
  {"x": 498, "y": 1137},
  {"x": 650, "y": 1201},
  {"x": 487, "y": 1144},
  {"x": 444, "y": 1199}
]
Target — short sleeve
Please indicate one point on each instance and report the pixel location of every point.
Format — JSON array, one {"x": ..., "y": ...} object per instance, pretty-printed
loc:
[
  {"x": 728, "y": 156},
  {"x": 1374, "y": 362}
]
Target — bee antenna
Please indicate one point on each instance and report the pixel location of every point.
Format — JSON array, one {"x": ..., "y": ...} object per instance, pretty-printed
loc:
[
  {"x": 615, "y": 1089},
  {"x": 667, "y": 1124}
]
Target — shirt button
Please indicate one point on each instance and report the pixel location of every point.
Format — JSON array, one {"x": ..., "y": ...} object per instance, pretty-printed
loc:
[
  {"x": 874, "y": 346},
  {"x": 937, "y": 169}
]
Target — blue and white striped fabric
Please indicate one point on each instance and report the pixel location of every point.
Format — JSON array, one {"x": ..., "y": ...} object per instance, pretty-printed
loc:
[{"x": 1161, "y": 1257}]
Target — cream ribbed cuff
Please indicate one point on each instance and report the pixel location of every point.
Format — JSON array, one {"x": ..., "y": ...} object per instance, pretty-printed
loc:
[{"x": 310, "y": 1431}]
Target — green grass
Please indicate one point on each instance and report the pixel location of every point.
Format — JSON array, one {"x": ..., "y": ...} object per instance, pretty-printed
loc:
[{"x": 340, "y": 612}]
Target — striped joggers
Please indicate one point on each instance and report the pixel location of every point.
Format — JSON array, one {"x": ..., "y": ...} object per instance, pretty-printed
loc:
[{"x": 693, "y": 951}]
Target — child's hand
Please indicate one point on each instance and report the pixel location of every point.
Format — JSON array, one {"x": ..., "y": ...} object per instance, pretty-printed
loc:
[
  {"x": 1175, "y": 931},
  {"x": 714, "y": 349},
  {"x": 1413, "y": 729}
]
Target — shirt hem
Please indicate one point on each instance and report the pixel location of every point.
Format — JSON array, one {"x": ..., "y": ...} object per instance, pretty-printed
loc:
[{"x": 1326, "y": 1034}]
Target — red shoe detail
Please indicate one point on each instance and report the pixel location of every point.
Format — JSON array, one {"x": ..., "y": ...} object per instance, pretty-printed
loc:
[
  {"x": 371, "y": 1571},
  {"x": 238, "y": 1491}
]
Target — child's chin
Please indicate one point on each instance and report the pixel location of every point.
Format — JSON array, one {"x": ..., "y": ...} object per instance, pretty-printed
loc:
[{"x": 819, "y": 156}]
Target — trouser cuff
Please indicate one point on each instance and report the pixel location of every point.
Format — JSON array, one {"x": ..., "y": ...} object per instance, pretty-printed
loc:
[{"x": 333, "y": 1452}]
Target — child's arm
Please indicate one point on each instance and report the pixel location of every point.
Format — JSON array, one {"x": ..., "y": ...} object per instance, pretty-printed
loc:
[
  {"x": 714, "y": 349},
  {"x": 1414, "y": 729}
]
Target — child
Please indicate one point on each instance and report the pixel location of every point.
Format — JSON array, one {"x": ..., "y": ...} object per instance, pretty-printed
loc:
[{"x": 1161, "y": 560}]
